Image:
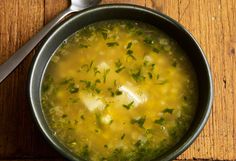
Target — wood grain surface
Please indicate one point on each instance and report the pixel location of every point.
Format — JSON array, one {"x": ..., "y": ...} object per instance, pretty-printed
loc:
[{"x": 212, "y": 22}]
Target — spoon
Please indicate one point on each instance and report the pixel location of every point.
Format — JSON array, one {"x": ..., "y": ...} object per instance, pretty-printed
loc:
[{"x": 7, "y": 67}]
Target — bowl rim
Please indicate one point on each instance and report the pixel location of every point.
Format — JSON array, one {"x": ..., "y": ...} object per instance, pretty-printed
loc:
[{"x": 207, "y": 109}]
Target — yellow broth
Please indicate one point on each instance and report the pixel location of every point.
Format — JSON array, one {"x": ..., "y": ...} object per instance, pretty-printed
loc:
[{"x": 119, "y": 91}]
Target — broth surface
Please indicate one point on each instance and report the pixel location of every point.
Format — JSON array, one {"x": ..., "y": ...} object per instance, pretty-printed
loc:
[{"x": 119, "y": 91}]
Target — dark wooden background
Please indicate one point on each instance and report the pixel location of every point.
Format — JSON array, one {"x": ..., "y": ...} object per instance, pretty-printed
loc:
[{"x": 212, "y": 22}]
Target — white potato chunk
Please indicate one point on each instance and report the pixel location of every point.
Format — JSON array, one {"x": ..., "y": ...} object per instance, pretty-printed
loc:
[
  {"x": 107, "y": 119},
  {"x": 132, "y": 94},
  {"x": 91, "y": 102}
]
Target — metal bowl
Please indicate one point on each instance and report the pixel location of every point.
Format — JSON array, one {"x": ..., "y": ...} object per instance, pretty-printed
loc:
[{"x": 130, "y": 12}]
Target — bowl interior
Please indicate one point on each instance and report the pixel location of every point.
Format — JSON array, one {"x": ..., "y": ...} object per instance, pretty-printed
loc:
[{"x": 130, "y": 12}]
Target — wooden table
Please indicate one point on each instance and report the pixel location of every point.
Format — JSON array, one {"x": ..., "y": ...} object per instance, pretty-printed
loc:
[{"x": 212, "y": 22}]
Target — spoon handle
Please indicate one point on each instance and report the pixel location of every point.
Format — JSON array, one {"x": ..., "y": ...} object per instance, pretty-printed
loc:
[{"x": 7, "y": 67}]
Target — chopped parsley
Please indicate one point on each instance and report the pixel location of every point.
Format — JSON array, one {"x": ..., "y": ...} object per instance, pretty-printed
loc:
[
  {"x": 83, "y": 46},
  {"x": 115, "y": 83},
  {"x": 174, "y": 64},
  {"x": 87, "y": 83},
  {"x": 97, "y": 81},
  {"x": 119, "y": 69},
  {"x": 85, "y": 152},
  {"x": 122, "y": 137},
  {"x": 140, "y": 121},
  {"x": 96, "y": 71},
  {"x": 153, "y": 66},
  {"x": 150, "y": 75},
  {"x": 87, "y": 67},
  {"x": 105, "y": 75},
  {"x": 168, "y": 110},
  {"x": 112, "y": 44},
  {"x": 160, "y": 121},
  {"x": 128, "y": 106},
  {"x": 82, "y": 117},
  {"x": 148, "y": 41},
  {"x": 185, "y": 98},
  {"x": 119, "y": 66},
  {"x": 137, "y": 75},
  {"x": 72, "y": 88},
  {"x": 129, "y": 45},
  {"x": 67, "y": 80},
  {"x": 130, "y": 54},
  {"x": 91, "y": 86},
  {"x": 117, "y": 92},
  {"x": 64, "y": 116},
  {"x": 104, "y": 32},
  {"x": 162, "y": 82},
  {"x": 156, "y": 50},
  {"x": 138, "y": 143},
  {"x": 158, "y": 76}
]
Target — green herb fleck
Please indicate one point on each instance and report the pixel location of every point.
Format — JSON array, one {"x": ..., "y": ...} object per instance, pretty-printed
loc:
[
  {"x": 82, "y": 117},
  {"x": 162, "y": 82},
  {"x": 119, "y": 69},
  {"x": 47, "y": 83},
  {"x": 168, "y": 110},
  {"x": 97, "y": 90},
  {"x": 150, "y": 75},
  {"x": 67, "y": 80},
  {"x": 129, "y": 25},
  {"x": 85, "y": 153},
  {"x": 96, "y": 71},
  {"x": 158, "y": 76},
  {"x": 83, "y": 46},
  {"x": 185, "y": 98},
  {"x": 73, "y": 88},
  {"x": 105, "y": 146},
  {"x": 119, "y": 66},
  {"x": 130, "y": 53},
  {"x": 160, "y": 121},
  {"x": 129, "y": 45},
  {"x": 174, "y": 64},
  {"x": 112, "y": 44},
  {"x": 91, "y": 86},
  {"x": 103, "y": 32},
  {"x": 122, "y": 137},
  {"x": 87, "y": 83},
  {"x": 138, "y": 143},
  {"x": 64, "y": 116},
  {"x": 76, "y": 122},
  {"x": 139, "y": 32},
  {"x": 117, "y": 92},
  {"x": 156, "y": 50},
  {"x": 115, "y": 83},
  {"x": 98, "y": 119},
  {"x": 148, "y": 131},
  {"x": 145, "y": 63},
  {"x": 73, "y": 100},
  {"x": 153, "y": 66},
  {"x": 87, "y": 67},
  {"x": 140, "y": 121},
  {"x": 137, "y": 75},
  {"x": 128, "y": 106},
  {"x": 148, "y": 41},
  {"x": 105, "y": 75},
  {"x": 104, "y": 35}
]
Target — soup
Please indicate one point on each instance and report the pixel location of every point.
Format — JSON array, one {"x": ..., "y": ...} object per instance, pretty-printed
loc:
[{"x": 119, "y": 91}]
